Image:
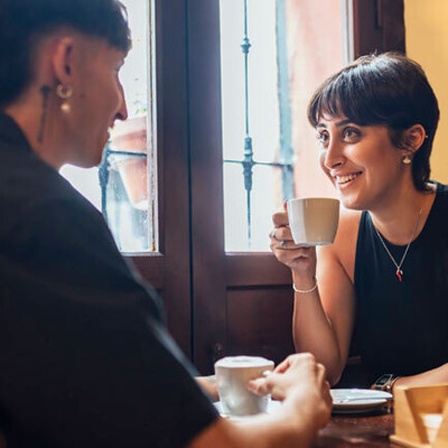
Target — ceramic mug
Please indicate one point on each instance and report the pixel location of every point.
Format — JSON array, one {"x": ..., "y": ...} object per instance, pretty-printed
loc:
[
  {"x": 313, "y": 221},
  {"x": 232, "y": 375}
]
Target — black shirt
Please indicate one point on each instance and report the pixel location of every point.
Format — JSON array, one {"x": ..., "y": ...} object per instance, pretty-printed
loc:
[
  {"x": 403, "y": 326},
  {"x": 84, "y": 359}
]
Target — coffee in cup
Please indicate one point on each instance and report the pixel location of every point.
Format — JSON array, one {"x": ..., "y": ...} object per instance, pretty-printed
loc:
[
  {"x": 232, "y": 375},
  {"x": 313, "y": 221}
]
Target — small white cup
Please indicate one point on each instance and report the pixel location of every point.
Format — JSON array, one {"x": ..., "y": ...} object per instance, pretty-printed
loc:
[
  {"x": 313, "y": 221},
  {"x": 232, "y": 375}
]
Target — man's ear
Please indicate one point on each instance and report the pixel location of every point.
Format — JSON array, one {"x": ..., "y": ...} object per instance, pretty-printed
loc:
[
  {"x": 414, "y": 137},
  {"x": 63, "y": 60}
]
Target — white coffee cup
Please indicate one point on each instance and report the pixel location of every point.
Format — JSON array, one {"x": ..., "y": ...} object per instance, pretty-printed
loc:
[
  {"x": 232, "y": 375},
  {"x": 313, "y": 221}
]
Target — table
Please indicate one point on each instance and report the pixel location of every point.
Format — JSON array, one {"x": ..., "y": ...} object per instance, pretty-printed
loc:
[{"x": 357, "y": 431}]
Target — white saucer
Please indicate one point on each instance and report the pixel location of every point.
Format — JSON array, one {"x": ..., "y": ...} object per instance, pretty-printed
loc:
[
  {"x": 272, "y": 406},
  {"x": 358, "y": 400}
]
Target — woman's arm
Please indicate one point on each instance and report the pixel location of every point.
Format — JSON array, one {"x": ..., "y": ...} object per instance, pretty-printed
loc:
[
  {"x": 322, "y": 318},
  {"x": 438, "y": 375}
]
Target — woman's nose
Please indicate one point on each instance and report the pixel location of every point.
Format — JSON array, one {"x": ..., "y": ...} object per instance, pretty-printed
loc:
[{"x": 334, "y": 155}]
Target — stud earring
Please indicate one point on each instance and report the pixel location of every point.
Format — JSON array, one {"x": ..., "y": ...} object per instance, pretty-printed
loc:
[
  {"x": 407, "y": 160},
  {"x": 64, "y": 93}
]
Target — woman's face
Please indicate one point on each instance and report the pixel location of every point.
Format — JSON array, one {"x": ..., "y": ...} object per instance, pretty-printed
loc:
[
  {"x": 362, "y": 163},
  {"x": 97, "y": 100}
]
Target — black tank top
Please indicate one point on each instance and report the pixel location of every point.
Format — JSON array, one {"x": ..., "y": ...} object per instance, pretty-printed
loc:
[{"x": 402, "y": 327}]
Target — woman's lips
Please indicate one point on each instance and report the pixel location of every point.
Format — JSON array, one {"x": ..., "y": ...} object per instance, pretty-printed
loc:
[{"x": 342, "y": 180}]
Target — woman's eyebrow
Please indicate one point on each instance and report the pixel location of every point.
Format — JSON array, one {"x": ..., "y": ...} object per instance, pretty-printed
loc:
[{"x": 337, "y": 124}]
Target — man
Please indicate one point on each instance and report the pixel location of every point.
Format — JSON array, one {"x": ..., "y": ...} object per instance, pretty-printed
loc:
[{"x": 85, "y": 359}]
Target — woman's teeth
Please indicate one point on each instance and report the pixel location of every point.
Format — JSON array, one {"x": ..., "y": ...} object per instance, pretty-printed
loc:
[{"x": 344, "y": 179}]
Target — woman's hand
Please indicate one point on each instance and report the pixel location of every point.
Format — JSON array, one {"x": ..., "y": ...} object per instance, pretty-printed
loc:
[{"x": 300, "y": 259}]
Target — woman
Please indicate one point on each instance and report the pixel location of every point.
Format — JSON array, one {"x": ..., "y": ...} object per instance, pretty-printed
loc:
[
  {"x": 85, "y": 359},
  {"x": 387, "y": 270}
]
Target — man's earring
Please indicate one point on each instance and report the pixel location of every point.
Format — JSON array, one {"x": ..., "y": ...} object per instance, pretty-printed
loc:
[
  {"x": 407, "y": 160},
  {"x": 64, "y": 93}
]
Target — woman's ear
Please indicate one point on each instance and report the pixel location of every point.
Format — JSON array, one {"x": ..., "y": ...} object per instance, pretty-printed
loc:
[{"x": 413, "y": 138}]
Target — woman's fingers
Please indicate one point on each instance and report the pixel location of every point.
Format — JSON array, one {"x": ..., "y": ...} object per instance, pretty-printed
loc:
[
  {"x": 280, "y": 233},
  {"x": 280, "y": 219}
]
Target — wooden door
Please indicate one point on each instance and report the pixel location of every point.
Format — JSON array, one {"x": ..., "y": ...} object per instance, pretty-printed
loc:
[{"x": 218, "y": 303}]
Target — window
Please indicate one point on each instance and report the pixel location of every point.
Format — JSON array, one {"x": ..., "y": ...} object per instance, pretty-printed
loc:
[
  {"x": 273, "y": 54},
  {"x": 222, "y": 298},
  {"x": 124, "y": 187}
]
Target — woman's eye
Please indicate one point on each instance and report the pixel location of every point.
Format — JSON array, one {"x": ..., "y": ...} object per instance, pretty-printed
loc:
[
  {"x": 322, "y": 139},
  {"x": 350, "y": 133}
]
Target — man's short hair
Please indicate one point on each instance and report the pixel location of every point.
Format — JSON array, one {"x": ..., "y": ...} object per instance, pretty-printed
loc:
[{"x": 23, "y": 22}]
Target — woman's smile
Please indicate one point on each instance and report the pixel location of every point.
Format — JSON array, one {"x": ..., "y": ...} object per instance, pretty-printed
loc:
[{"x": 345, "y": 179}]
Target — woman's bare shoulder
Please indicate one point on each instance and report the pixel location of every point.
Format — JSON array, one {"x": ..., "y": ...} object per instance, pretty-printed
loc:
[
  {"x": 343, "y": 249},
  {"x": 349, "y": 219}
]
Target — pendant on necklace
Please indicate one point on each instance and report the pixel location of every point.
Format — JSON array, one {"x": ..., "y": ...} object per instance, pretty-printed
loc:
[{"x": 399, "y": 274}]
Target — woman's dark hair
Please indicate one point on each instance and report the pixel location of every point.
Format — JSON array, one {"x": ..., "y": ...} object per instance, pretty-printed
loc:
[
  {"x": 386, "y": 89},
  {"x": 22, "y": 22}
]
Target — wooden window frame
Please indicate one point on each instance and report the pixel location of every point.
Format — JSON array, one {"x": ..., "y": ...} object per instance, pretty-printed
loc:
[{"x": 201, "y": 284}]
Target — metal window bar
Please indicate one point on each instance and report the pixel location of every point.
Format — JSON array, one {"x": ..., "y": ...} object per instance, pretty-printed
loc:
[
  {"x": 103, "y": 173},
  {"x": 286, "y": 151}
]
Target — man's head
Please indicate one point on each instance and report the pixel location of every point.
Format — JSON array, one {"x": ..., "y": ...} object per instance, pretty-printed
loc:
[{"x": 24, "y": 22}]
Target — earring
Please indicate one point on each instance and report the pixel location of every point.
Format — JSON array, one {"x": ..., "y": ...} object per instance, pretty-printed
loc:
[
  {"x": 64, "y": 93},
  {"x": 407, "y": 160}
]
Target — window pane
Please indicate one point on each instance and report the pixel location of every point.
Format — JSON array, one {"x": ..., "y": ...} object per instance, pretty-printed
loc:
[
  {"x": 274, "y": 53},
  {"x": 120, "y": 186},
  {"x": 262, "y": 204}
]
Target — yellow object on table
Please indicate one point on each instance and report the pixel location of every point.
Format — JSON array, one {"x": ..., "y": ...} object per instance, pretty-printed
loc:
[{"x": 421, "y": 416}]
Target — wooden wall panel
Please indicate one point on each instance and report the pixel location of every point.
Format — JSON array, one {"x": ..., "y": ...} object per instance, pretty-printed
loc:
[{"x": 259, "y": 322}]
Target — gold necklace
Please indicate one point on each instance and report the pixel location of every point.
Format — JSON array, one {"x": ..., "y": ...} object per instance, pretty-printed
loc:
[{"x": 399, "y": 271}]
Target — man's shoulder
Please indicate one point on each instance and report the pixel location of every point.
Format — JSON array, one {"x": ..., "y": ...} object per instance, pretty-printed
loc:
[{"x": 31, "y": 187}]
